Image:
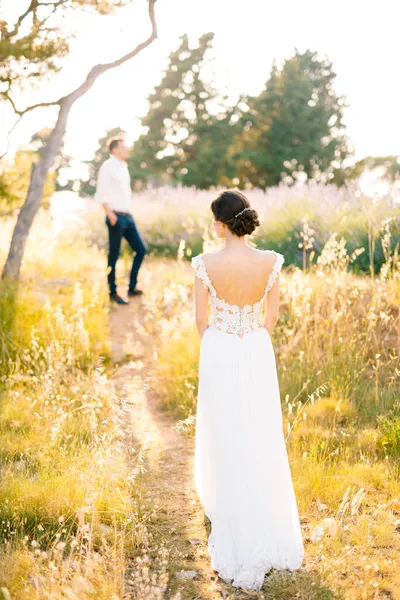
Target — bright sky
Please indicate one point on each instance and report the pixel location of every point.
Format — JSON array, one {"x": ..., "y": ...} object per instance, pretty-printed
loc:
[{"x": 359, "y": 36}]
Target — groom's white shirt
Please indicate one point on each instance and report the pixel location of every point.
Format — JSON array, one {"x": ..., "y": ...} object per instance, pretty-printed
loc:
[{"x": 114, "y": 185}]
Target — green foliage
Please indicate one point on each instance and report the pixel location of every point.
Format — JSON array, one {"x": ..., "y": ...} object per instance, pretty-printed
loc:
[
  {"x": 63, "y": 162},
  {"x": 30, "y": 56},
  {"x": 194, "y": 138},
  {"x": 294, "y": 126},
  {"x": 31, "y": 49},
  {"x": 188, "y": 126},
  {"x": 14, "y": 181},
  {"x": 389, "y": 167},
  {"x": 15, "y": 173},
  {"x": 60, "y": 437},
  {"x": 168, "y": 216},
  {"x": 389, "y": 427}
]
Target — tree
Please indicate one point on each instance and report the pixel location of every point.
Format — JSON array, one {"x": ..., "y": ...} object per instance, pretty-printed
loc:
[
  {"x": 88, "y": 187},
  {"x": 387, "y": 166},
  {"x": 62, "y": 161},
  {"x": 206, "y": 161},
  {"x": 384, "y": 168},
  {"x": 293, "y": 126},
  {"x": 188, "y": 127},
  {"x": 14, "y": 181},
  {"x": 36, "y": 53},
  {"x": 15, "y": 174}
]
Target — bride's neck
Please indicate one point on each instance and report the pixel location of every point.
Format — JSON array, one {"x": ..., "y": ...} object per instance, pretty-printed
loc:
[{"x": 233, "y": 241}]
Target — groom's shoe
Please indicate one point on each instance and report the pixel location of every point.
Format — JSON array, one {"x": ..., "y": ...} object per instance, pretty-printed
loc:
[
  {"x": 135, "y": 292},
  {"x": 116, "y": 298}
]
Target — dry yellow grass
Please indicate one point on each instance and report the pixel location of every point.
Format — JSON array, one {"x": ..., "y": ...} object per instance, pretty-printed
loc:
[{"x": 71, "y": 518}]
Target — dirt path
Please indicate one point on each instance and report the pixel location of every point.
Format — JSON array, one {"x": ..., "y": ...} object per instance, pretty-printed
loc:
[{"x": 167, "y": 482}]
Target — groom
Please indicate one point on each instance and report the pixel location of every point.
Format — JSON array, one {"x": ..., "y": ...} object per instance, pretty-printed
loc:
[{"x": 115, "y": 194}]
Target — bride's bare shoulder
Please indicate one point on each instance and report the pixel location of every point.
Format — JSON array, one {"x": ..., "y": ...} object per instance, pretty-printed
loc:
[
  {"x": 267, "y": 256},
  {"x": 263, "y": 252},
  {"x": 211, "y": 256}
]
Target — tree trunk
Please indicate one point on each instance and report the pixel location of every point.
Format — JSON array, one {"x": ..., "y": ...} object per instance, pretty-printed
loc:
[{"x": 31, "y": 205}]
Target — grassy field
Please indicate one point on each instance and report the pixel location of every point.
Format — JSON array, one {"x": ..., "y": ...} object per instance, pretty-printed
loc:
[
  {"x": 70, "y": 512},
  {"x": 71, "y": 518}
]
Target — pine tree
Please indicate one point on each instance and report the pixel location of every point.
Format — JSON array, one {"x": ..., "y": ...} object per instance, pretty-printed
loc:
[
  {"x": 188, "y": 127},
  {"x": 295, "y": 125}
]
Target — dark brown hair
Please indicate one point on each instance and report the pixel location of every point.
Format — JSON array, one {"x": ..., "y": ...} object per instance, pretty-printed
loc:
[
  {"x": 113, "y": 143},
  {"x": 226, "y": 208}
]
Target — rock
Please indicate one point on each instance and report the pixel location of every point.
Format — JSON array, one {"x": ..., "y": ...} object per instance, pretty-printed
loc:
[
  {"x": 395, "y": 505},
  {"x": 321, "y": 507},
  {"x": 118, "y": 352},
  {"x": 317, "y": 533},
  {"x": 328, "y": 526},
  {"x": 186, "y": 574},
  {"x": 331, "y": 526},
  {"x": 35, "y": 581},
  {"x": 69, "y": 593},
  {"x": 84, "y": 585},
  {"x": 5, "y": 594},
  {"x": 62, "y": 281},
  {"x": 41, "y": 298},
  {"x": 104, "y": 529}
]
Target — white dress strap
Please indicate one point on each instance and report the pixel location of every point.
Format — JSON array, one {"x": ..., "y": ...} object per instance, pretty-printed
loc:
[
  {"x": 201, "y": 272},
  {"x": 279, "y": 260}
]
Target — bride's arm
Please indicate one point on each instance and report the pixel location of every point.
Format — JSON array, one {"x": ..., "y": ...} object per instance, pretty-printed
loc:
[
  {"x": 272, "y": 307},
  {"x": 201, "y": 304}
]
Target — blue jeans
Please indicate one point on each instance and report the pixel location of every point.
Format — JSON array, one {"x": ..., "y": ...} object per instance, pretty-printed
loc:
[{"x": 124, "y": 227}]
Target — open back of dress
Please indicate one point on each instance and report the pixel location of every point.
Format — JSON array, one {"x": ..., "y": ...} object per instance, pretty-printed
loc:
[{"x": 236, "y": 318}]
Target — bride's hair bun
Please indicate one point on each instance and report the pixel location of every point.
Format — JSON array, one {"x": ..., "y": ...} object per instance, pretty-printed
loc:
[
  {"x": 245, "y": 222},
  {"x": 232, "y": 208}
]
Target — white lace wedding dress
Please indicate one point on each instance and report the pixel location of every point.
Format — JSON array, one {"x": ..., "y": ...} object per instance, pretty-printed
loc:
[{"x": 241, "y": 470}]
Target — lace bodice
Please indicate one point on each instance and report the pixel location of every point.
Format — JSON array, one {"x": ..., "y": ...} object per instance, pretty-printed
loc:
[{"x": 232, "y": 318}]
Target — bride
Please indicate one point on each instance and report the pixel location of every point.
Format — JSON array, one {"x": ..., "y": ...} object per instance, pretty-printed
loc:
[{"x": 241, "y": 470}]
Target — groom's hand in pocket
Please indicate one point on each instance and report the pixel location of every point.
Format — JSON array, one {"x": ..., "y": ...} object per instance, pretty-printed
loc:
[{"x": 112, "y": 217}]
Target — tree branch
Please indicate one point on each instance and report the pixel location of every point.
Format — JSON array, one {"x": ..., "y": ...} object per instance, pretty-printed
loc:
[
  {"x": 20, "y": 114},
  {"x": 23, "y": 112},
  {"x": 94, "y": 73},
  {"x": 100, "y": 69},
  {"x": 31, "y": 7},
  {"x": 55, "y": 5}
]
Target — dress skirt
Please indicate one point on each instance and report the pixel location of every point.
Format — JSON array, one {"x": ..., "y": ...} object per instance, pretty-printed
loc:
[{"x": 241, "y": 469}]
